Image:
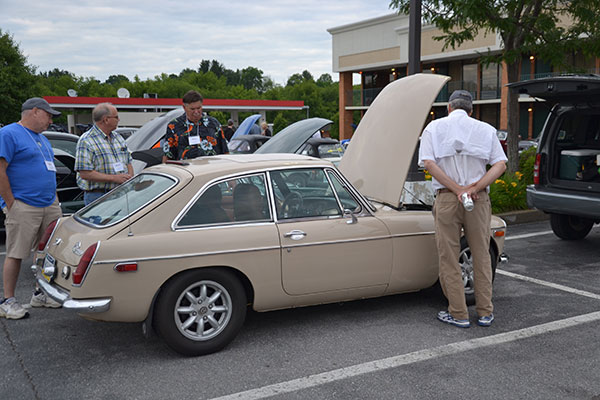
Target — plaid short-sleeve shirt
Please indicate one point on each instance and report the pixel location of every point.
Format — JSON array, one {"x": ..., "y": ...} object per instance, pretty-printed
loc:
[{"x": 96, "y": 152}]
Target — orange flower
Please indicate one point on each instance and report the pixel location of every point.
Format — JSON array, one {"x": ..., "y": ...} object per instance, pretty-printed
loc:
[{"x": 212, "y": 140}]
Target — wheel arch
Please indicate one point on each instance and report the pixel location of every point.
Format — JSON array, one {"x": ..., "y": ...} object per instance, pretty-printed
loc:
[{"x": 248, "y": 289}]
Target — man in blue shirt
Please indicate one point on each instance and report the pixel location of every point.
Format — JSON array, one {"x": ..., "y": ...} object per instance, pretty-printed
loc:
[{"x": 28, "y": 196}]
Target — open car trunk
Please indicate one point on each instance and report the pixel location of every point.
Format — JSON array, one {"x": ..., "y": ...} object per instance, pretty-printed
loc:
[{"x": 573, "y": 145}]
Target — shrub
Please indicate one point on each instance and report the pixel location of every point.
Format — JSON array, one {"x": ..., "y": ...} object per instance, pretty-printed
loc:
[{"x": 508, "y": 192}]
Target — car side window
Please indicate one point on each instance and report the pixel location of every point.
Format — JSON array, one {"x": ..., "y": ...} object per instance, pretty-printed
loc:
[
  {"x": 234, "y": 200},
  {"x": 304, "y": 193}
]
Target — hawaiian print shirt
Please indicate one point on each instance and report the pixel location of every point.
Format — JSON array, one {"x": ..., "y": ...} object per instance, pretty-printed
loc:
[{"x": 207, "y": 133}]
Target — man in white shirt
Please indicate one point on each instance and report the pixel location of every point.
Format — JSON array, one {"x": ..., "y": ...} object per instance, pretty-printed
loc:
[{"x": 456, "y": 150}]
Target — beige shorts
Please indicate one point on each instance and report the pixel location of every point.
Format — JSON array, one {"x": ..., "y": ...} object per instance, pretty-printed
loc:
[{"x": 25, "y": 226}]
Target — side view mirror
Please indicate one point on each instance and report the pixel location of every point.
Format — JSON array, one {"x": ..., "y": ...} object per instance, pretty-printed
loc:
[{"x": 349, "y": 213}]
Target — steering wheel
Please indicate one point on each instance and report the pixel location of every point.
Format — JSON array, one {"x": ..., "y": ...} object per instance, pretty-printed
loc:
[{"x": 292, "y": 204}]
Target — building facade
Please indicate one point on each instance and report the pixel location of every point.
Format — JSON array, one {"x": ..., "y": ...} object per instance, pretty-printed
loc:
[{"x": 377, "y": 50}]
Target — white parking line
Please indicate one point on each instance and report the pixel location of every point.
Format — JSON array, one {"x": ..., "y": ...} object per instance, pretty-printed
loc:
[
  {"x": 526, "y": 235},
  {"x": 549, "y": 284},
  {"x": 410, "y": 358}
]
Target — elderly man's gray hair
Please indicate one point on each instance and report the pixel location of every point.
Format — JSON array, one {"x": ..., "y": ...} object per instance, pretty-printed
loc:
[{"x": 101, "y": 111}]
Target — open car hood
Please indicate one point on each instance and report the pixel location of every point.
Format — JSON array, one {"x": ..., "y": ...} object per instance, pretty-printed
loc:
[
  {"x": 291, "y": 138},
  {"x": 245, "y": 126},
  {"x": 152, "y": 131},
  {"x": 379, "y": 155},
  {"x": 567, "y": 90}
]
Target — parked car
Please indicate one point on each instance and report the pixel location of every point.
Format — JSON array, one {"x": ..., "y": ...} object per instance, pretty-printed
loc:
[
  {"x": 303, "y": 137},
  {"x": 502, "y": 136},
  {"x": 566, "y": 180},
  {"x": 246, "y": 144},
  {"x": 126, "y": 132},
  {"x": 185, "y": 246},
  {"x": 523, "y": 144}
]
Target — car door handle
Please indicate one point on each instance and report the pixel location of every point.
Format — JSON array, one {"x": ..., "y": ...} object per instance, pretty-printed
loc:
[{"x": 295, "y": 234}]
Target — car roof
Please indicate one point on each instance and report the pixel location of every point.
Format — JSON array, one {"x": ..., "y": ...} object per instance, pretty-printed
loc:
[
  {"x": 213, "y": 167},
  {"x": 60, "y": 135}
]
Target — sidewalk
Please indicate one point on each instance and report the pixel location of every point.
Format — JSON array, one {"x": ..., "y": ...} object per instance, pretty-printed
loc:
[{"x": 523, "y": 216}]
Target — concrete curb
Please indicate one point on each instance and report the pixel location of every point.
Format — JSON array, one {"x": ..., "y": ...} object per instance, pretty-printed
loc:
[{"x": 523, "y": 216}]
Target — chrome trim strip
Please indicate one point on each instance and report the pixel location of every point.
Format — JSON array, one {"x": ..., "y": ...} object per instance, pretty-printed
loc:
[
  {"x": 336, "y": 242},
  {"x": 82, "y": 306},
  {"x": 84, "y": 222},
  {"x": 413, "y": 234},
  {"x": 51, "y": 235},
  {"x": 189, "y": 255},
  {"x": 224, "y": 226}
]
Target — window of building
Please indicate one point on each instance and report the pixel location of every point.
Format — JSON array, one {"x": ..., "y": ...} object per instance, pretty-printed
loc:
[
  {"x": 490, "y": 81},
  {"x": 469, "y": 79}
]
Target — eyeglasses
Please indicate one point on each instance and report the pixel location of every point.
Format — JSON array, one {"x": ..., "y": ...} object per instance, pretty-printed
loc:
[{"x": 113, "y": 116}]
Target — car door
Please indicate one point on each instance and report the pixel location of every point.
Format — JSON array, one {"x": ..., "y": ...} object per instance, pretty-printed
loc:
[{"x": 322, "y": 248}]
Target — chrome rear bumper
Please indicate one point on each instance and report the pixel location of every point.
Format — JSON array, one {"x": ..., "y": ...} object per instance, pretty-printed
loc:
[{"x": 59, "y": 295}]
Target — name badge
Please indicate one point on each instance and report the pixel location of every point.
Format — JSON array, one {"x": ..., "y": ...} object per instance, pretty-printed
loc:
[
  {"x": 119, "y": 167},
  {"x": 50, "y": 166},
  {"x": 194, "y": 140}
]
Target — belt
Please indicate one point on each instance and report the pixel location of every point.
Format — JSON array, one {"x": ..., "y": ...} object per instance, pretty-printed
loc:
[
  {"x": 98, "y": 191},
  {"x": 443, "y": 190}
]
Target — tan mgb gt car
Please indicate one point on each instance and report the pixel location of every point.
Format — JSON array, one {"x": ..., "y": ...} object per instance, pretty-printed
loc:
[{"x": 185, "y": 247}]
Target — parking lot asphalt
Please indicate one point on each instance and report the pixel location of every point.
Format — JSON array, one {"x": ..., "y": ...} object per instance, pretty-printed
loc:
[{"x": 543, "y": 344}]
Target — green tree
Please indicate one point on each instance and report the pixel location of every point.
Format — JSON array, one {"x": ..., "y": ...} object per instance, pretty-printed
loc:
[
  {"x": 526, "y": 27},
  {"x": 117, "y": 80},
  {"x": 17, "y": 79}
]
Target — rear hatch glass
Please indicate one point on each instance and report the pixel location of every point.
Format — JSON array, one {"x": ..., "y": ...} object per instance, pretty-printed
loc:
[{"x": 125, "y": 200}]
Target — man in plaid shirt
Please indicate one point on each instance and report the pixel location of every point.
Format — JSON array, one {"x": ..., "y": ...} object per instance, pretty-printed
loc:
[{"x": 102, "y": 160}]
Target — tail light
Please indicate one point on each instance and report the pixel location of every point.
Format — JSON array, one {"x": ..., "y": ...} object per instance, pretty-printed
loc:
[
  {"x": 47, "y": 235},
  {"x": 536, "y": 169},
  {"x": 84, "y": 263}
]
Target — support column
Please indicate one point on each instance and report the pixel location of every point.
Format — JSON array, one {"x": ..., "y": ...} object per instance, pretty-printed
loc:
[
  {"x": 504, "y": 98},
  {"x": 345, "y": 94}
]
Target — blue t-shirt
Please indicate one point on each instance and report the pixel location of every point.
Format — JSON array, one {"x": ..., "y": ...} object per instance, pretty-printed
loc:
[{"x": 26, "y": 152}]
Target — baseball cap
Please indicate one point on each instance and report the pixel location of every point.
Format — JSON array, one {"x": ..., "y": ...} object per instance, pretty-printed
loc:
[
  {"x": 230, "y": 122},
  {"x": 461, "y": 94},
  {"x": 38, "y": 102}
]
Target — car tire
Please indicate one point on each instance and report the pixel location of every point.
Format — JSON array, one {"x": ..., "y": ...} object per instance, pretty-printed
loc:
[
  {"x": 201, "y": 311},
  {"x": 466, "y": 265},
  {"x": 570, "y": 227}
]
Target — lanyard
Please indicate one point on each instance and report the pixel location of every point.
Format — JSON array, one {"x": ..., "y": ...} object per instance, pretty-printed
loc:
[{"x": 39, "y": 144}]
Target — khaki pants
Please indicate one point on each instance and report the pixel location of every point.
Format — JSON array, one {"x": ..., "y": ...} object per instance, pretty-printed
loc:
[
  {"x": 450, "y": 216},
  {"x": 25, "y": 226}
]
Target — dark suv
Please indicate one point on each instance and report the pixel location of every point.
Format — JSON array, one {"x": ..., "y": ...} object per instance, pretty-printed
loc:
[{"x": 566, "y": 179}]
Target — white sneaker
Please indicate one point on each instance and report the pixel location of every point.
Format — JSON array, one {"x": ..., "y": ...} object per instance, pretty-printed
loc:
[
  {"x": 41, "y": 299},
  {"x": 11, "y": 309}
]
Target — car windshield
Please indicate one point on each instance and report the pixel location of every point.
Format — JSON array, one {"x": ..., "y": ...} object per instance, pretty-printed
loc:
[
  {"x": 68, "y": 146},
  {"x": 125, "y": 199},
  {"x": 238, "y": 146},
  {"x": 331, "y": 150}
]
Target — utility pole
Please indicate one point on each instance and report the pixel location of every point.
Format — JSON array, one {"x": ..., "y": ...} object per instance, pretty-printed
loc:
[
  {"x": 414, "y": 67},
  {"x": 414, "y": 37}
]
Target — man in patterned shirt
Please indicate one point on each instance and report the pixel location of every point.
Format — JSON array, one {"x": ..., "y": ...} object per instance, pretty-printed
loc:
[
  {"x": 102, "y": 160},
  {"x": 193, "y": 134}
]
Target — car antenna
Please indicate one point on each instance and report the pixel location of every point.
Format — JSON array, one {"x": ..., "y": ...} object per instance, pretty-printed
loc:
[{"x": 129, "y": 233}]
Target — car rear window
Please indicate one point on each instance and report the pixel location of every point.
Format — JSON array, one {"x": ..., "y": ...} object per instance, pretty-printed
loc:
[{"x": 125, "y": 200}]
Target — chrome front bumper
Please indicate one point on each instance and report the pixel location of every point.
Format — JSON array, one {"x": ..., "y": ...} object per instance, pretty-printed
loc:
[{"x": 59, "y": 295}]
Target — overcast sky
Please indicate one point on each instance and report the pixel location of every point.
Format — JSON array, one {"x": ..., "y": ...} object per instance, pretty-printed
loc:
[{"x": 146, "y": 38}]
